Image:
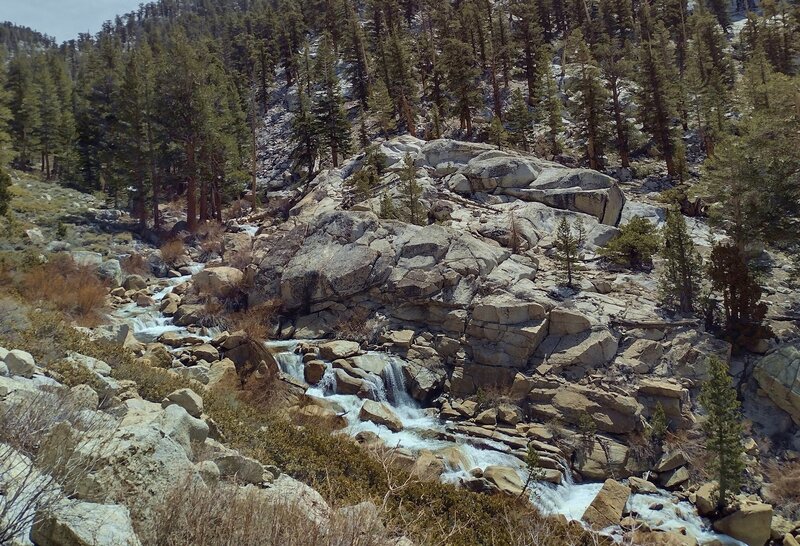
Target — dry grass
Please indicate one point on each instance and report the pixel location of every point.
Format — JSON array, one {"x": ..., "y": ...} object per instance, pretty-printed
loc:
[
  {"x": 784, "y": 487},
  {"x": 173, "y": 251},
  {"x": 256, "y": 321},
  {"x": 135, "y": 264},
  {"x": 42, "y": 439},
  {"x": 360, "y": 325},
  {"x": 211, "y": 236},
  {"x": 240, "y": 259},
  {"x": 224, "y": 515},
  {"x": 72, "y": 289}
]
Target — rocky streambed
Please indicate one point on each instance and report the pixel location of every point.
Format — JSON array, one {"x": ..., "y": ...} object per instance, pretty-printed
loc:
[{"x": 365, "y": 392}]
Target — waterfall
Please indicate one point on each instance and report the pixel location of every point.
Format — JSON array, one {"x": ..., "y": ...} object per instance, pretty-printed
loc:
[
  {"x": 395, "y": 383},
  {"x": 424, "y": 431}
]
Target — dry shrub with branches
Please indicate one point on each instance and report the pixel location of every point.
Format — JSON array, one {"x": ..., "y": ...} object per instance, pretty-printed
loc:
[
  {"x": 173, "y": 251},
  {"x": 239, "y": 259},
  {"x": 43, "y": 436},
  {"x": 225, "y": 515},
  {"x": 70, "y": 288},
  {"x": 360, "y": 324},
  {"x": 256, "y": 321},
  {"x": 784, "y": 487},
  {"x": 135, "y": 264},
  {"x": 211, "y": 236}
]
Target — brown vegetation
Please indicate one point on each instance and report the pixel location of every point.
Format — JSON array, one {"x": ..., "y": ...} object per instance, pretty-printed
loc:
[
  {"x": 783, "y": 490},
  {"x": 70, "y": 288},
  {"x": 135, "y": 264},
  {"x": 211, "y": 236},
  {"x": 225, "y": 515},
  {"x": 172, "y": 251}
]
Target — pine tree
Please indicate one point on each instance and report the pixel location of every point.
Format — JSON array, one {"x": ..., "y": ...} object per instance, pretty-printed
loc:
[
  {"x": 753, "y": 178},
  {"x": 411, "y": 193},
  {"x": 637, "y": 243},
  {"x": 356, "y": 53},
  {"x": 25, "y": 110},
  {"x": 589, "y": 101},
  {"x": 681, "y": 273},
  {"x": 329, "y": 112},
  {"x": 462, "y": 80},
  {"x": 5, "y": 111},
  {"x": 613, "y": 55},
  {"x": 723, "y": 428},
  {"x": 399, "y": 79},
  {"x": 387, "y": 211},
  {"x": 380, "y": 104},
  {"x": 64, "y": 153},
  {"x": 5, "y": 194},
  {"x": 529, "y": 37},
  {"x": 551, "y": 105},
  {"x": 570, "y": 239},
  {"x": 658, "y": 92},
  {"x": 709, "y": 78},
  {"x": 497, "y": 133},
  {"x": 731, "y": 277},
  {"x": 186, "y": 110},
  {"x": 520, "y": 120},
  {"x": 305, "y": 136},
  {"x": 136, "y": 115}
]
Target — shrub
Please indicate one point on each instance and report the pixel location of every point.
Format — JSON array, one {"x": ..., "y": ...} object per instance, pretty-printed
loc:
[
  {"x": 636, "y": 245},
  {"x": 256, "y": 321},
  {"x": 42, "y": 439},
  {"x": 784, "y": 487},
  {"x": 225, "y": 515},
  {"x": 211, "y": 239},
  {"x": 72, "y": 289},
  {"x": 173, "y": 251},
  {"x": 135, "y": 264}
]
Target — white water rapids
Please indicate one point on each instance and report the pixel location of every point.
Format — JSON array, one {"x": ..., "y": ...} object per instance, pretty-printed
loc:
[{"x": 423, "y": 430}]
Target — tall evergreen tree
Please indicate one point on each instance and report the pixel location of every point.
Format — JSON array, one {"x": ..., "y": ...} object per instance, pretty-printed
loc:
[
  {"x": 589, "y": 99},
  {"x": 5, "y": 194},
  {"x": 520, "y": 120},
  {"x": 723, "y": 428},
  {"x": 25, "y": 108},
  {"x": 305, "y": 136},
  {"x": 570, "y": 239},
  {"x": 681, "y": 273},
  {"x": 658, "y": 91},
  {"x": 410, "y": 192},
  {"x": 5, "y": 110},
  {"x": 329, "y": 113},
  {"x": 463, "y": 74}
]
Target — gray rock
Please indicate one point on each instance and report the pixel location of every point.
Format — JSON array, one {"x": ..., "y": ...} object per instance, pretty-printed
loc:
[
  {"x": 134, "y": 282},
  {"x": 20, "y": 363},
  {"x": 187, "y": 399},
  {"x": 778, "y": 374},
  {"x": 86, "y": 258},
  {"x": 77, "y": 523},
  {"x": 110, "y": 271}
]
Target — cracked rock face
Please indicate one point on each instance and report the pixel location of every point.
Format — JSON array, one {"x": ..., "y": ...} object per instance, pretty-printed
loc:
[{"x": 459, "y": 277}]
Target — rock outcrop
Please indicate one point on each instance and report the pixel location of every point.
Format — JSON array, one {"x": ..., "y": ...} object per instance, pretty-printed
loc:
[{"x": 778, "y": 375}]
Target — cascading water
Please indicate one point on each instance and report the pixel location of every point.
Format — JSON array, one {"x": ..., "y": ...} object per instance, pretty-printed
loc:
[
  {"x": 147, "y": 323},
  {"x": 289, "y": 361},
  {"x": 422, "y": 430}
]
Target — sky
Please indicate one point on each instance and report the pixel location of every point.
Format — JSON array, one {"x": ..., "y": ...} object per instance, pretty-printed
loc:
[{"x": 64, "y": 19}]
